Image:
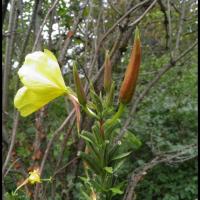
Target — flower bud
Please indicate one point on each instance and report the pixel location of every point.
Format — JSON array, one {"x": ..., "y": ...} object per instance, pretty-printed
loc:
[
  {"x": 79, "y": 88},
  {"x": 129, "y": 83},
  {"x": 107, "y": 73}
]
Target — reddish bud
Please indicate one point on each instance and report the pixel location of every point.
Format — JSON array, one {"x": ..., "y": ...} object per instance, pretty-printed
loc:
[{"x": 129, "y": 83}]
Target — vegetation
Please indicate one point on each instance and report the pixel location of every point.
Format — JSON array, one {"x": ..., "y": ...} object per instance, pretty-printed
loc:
[{"x": 145, "y": 149}]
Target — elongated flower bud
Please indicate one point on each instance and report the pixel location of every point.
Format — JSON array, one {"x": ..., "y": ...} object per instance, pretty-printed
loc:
[
  {"x": 129, "y": 83},
  {"x": 107, "y": 73},
  {"x": 79, "y": 88}
]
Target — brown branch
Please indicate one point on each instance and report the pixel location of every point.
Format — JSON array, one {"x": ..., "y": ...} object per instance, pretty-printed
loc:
[
  {"x": 67, "y": 42},
  {"x": 113, "y": 7},
  {"x": 66, "y": 165},
  {"x": 49, "y": 145},
  {"x": 180, "y": 29},
  {"x": 27, "y": 36},
  {"x": 55, "y": 135},
  {"x": 145, "y": 12},
  {"x": 4, "y": 9},
  {"x": 8, "y": 54},
  {"x": 139, "y": 173},
  {"x": 59, "y": 160},
  {"x": 96, "y": 77},
  {"x": 111, "y": 30},
  {"x": 166, "y": 22},
  {"x": 14, "y": 131},
  {"x": 121, "y": 19},
  {"x": 51, "y": 21},
  {"x": 65, "y": 142},
  {"x": 8, "y": 57},
  {"x": 43, "y": 23},
  {"x": 16, "y": 113}
]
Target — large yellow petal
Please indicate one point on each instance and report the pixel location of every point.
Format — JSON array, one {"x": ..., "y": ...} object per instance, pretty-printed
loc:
[
  {"x": 28, "y": 101},
  {"x": 41, "y": 72}
]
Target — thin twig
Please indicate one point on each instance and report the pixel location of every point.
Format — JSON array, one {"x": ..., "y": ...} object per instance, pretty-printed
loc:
[
  {"x": 65, "y": 142},
  {"x": 140, "y": 172},
  {"x": 11, "y": 166},
  {"x": 122, "y": 18},
  {"x": 14, "y": 131},
  {"x": 27, "y": 36},
  {"x": 59, "y": 160},
  {"x": 43, "y": 23},
  {"x": 113, "y": 7},
  {"x": 166, "y": 21},
  {"x": 111, "y": 29},
  {"x": 55, "y": 135},
  {"x": 67, "y": 42},
  {"x": 8, "y": 55},
  {"x": 169, "y": 25},
  {"x": 178, "y": 36},
  {"x": 49, "y": 145},
  {"x": 66, "y": 165}
]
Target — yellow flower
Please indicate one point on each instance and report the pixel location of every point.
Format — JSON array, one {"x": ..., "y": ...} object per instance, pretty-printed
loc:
[
  {"x": 42, "y": 80},
  {"x": 34, "y": 176}
]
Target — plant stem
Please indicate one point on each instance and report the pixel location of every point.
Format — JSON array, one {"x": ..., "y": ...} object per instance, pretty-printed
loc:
[
  {"x": 117, "y": 115},
  {"x": 90, "y": 112}
]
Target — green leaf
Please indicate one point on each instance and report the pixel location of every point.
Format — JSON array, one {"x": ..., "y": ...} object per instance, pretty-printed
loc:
[
  {"x": 118, "y": 165},
  {"x": 116, "y": 190},
  {"x": 96, "y": 100},
  {"x": 85, "y": 195},
  {"x": 86, "y": 138},
  {"x": 84, "y": 179},
  {"x": 133, "y": 140},
  {"x": 109, "y": 169},
  {"x": 123, "y": 155}
]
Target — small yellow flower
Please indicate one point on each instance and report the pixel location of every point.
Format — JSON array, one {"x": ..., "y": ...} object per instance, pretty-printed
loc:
[
  {"x": 34, "y": 176},
  {"x": 42, "y": 80}
]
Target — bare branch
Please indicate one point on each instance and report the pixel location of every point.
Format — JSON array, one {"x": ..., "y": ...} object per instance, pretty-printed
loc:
[
  {"x": 55, "y": 135},
  {"x": 8, "y": 56},
  {"x": 178, "y": 37},
  {"x": 43, "y": 23},
  {"x": 67, "y": 42},
  {"x": 140, "y": 172},
  {"x": 14, "y": 131},
  {"x": 49, "y": 145}
]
